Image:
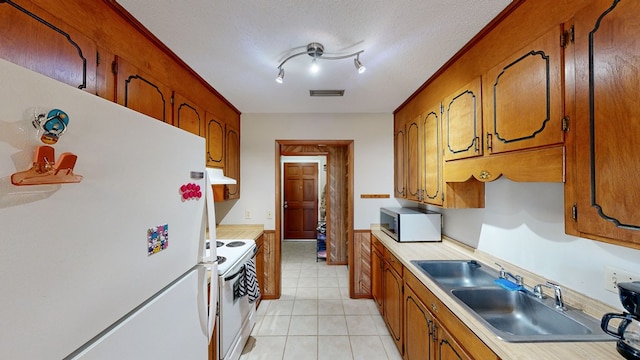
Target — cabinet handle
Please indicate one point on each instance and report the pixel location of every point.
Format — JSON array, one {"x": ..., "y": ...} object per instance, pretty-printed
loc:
[
  {"x": 434, "y": 308},
  {"x": 476, "y": 141},
  {"x": 485, "y": 175},
  {"x": 489, "y": 142}
]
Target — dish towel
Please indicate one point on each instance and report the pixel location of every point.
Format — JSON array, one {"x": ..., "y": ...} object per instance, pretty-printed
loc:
[{"x": 249, "y": 284}]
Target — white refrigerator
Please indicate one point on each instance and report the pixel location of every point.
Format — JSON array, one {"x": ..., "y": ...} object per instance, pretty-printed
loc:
[{"x": 113, "y": 266}]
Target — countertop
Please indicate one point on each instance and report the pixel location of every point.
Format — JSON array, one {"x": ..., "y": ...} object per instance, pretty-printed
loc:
[
  {"x": 450, "y": 250},
  {"x": 233, "y": 232}
]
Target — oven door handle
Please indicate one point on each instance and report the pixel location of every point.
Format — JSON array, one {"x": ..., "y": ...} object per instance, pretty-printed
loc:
[{"x": 231, "y": 277}]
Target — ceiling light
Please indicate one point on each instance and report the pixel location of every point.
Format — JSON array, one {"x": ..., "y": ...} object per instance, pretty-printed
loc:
[
  {"x": 359, "y": 65},
  {"x": 280, "y": 76},
  {"x": 316, "y": 51}
]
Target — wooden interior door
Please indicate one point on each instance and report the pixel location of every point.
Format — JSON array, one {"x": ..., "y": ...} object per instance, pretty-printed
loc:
[{"x": 300, "y": 200}]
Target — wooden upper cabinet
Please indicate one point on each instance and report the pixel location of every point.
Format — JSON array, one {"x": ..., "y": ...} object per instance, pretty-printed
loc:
[
  {"x": 431, "y": 160},
  {"x": 37, "y": 40},
  {"x": 215, "y": 134},
  {"x": 607, "y": 122},
  {"x": 139, "y": 91},
  {"x": 232, "y": 163},
  {"x": 414, "y": 155},
  {"x": 462, "y": 119},
  {"x": 523, "y": 105},
  {"x": 188, "y": 116},
  {"x": 399, "y": 159}
]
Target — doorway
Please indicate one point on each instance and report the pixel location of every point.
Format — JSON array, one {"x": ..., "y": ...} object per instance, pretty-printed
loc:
[{"x": 339, "y": 193}]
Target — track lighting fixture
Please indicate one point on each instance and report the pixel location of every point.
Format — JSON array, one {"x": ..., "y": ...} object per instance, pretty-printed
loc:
[{"x": 316, "y": 51}]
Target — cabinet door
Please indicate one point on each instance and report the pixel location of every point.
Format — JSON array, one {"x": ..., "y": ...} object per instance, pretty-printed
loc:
[
  {"x": 414, "y": 154},
  {"x": 232, "y": 163},
  {"x": 35, "y": 39},
  {"x": 377, "y": 270},
  {"x": 260, "y": 264},
  {"x": 608, "y": 120},
  {"x": 462, "y": 118},
  {"x": 214, "y": 133},
  {"x": 524, "y": 99},
  {"x": 446, "y": 347},
  {"x": 431, "y": 159},
  {"x": 418, "y": 325},
  {"x": 187, "y": 115},
  {"x": 141, "y": 92},
  {"x": 399, "y": 137},
  {"x": 393, "y": 304}
]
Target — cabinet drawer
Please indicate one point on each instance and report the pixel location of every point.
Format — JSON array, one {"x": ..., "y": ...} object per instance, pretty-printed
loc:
[
  {"x": 376, "y": 244},
  {"x": 393, "y": 261}
]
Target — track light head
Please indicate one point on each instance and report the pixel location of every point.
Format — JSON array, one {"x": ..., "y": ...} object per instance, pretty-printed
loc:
[
  {"x": 280, "y": 77},
  {"x": 359, "y": 65}
]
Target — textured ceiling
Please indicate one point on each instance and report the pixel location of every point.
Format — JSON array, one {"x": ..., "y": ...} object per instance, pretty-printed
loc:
[{"x": 236, "y": 46}]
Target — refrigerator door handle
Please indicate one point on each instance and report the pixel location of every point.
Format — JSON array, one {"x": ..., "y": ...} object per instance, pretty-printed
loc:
[{"x": 210, "y": 297}]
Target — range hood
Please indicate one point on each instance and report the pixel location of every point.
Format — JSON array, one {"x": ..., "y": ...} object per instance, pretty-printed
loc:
[{"x": 216, "y": 177}]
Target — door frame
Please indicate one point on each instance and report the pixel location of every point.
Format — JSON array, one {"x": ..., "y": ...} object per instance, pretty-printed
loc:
[{"x": 311, "y": 151}]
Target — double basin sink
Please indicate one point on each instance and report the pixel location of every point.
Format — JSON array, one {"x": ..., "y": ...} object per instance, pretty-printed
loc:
[{"x": 513, "y": 316}]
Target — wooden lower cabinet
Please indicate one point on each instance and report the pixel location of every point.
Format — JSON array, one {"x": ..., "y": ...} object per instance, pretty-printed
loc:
[
  {"x": 377, "y": 269},
  {"x": 260, "y": 264},
  {"x": 447, "y": 348},
  {"x": 418, "y": 328},
  {"x": 270, "y": 286},
  {"x": 392, "y": 300}
]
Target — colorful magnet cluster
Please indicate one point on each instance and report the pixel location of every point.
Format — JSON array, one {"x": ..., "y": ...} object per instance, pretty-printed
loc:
[
  {"x": 190, "y": 191},
  {"x": 157, "y": 239}
]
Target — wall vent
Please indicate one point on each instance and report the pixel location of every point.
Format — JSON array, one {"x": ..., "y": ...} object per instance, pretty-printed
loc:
[{"x": 326, "y": 92}]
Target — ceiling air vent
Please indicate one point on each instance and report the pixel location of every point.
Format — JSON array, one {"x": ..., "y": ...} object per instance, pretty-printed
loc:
[{"x": 326, "y": 92}]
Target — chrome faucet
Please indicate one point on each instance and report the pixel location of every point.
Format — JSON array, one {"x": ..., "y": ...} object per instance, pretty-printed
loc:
[
  {"x": 537, "y": 291},
  {"x": 506, "y": 275}
]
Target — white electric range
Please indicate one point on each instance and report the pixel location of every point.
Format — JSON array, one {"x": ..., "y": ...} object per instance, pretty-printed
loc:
[{"x": 236, "y": 315}]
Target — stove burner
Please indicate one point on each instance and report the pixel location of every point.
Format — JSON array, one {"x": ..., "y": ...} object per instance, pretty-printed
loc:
[
  {"x": 219, "y": 243},
  {"x": 235, "y": 243},
  {"x": 221, "y": 259}
]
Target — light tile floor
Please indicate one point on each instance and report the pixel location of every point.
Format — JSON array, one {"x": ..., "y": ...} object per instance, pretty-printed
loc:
[{"x": 315, "y": 318}]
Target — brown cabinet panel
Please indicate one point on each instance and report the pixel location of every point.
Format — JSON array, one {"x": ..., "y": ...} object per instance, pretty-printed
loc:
[
  {"x": 377, "y": 270},
  {"x": 523, "y": 97},
  {"x": 37, "y": 40},
  {"x": 392, "y": 300},
  {"x": 431, "y": 161},
  {"x": 447, "y": 348},
  {"x": 414, "y": 155},
  {"x": 418, "y": 328},
  {"x": 462, "y": 117},
  {"x": 399, "y": 160},
  {"x": 187, "y": 115},
  {"x": 215, "y": 134},
  {"x": 232, "y": 160},
  {"x": 607, "y": 121},
  {"x": 360, "y": 265},
  {"x": 139, "y": 91}
]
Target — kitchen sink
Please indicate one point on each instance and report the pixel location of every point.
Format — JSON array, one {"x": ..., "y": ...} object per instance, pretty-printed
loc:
[
  {"x": 518, "y": 316},
  {"x": 457, "y": 273},
  {"x": 513, "y": 316}
]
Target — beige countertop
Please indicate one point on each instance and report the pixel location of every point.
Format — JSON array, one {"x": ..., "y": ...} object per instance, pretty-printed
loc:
[
  {"x": 234, "y": 232},
  {"x": 450, "y": 250}
]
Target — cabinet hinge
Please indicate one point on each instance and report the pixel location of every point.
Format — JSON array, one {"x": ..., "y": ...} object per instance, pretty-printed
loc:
[
  {"x": 565, "y": 124},
  {"x": 97, "y": 58},
  {"x": 574, "y": 212},
  {"x": 567, "y": 37},
  {"x": 172, "y": 100},
  {"x": 114, "y": 68}
]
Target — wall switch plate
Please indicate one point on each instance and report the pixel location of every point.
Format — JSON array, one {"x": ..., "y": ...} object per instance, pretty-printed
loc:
[
  {"x": 247, "y": 214},
  {"x": 269, "y": 214},
  {"x": 613, "y": 276}
]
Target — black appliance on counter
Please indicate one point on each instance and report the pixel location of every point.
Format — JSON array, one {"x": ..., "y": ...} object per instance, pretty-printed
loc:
[{"x": 628, "y": 331}]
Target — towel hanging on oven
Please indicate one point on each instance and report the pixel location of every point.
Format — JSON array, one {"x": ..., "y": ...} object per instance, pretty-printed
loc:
[{"x": 249, "y": 283}]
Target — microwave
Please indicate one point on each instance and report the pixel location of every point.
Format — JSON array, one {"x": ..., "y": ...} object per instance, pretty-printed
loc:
[{"x": 411, "y": 224}]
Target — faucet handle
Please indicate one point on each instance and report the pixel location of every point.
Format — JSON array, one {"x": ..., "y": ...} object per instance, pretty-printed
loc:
[{"x": 503, "y": 272}]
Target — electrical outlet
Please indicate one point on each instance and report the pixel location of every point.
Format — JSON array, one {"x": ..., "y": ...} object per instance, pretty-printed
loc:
[
  {"x": 247, "y": 214},
  {"x": 269, "y": 214},
  {"x": 613, "y": 276}
]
